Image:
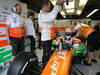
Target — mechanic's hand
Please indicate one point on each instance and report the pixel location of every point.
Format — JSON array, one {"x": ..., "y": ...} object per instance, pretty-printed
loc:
[{"x": 59, "y": 2}]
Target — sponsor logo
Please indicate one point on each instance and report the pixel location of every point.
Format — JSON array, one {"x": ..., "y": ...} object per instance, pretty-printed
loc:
[{"x": 56, "y": 64}]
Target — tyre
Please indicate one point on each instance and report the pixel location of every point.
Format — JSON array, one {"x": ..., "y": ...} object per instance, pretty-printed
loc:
[{"x": 25, "y": 63}]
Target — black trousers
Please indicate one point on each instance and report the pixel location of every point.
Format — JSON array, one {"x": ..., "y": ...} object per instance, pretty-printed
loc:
[
  {"x": 32, "y": 43},
  {"x": 17, "y": 45},
  {"x": 39, "y": 44},
  {"x": 93, "y": 41},
  {"x": 46, "y": 50}
]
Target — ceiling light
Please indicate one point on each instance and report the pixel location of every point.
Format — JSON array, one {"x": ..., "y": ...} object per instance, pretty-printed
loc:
[
  {"x": 79, "y": 12},
  {"x": 82, "y": 2},
  {"x": 64, "y": 16},
  {"x": 53, "y": 2},
  {"x": 95, "y": 10},
  {"x": 70, "y": 5},
  {"x": 62, "y": 13},
  {"x": 70, "y": 11}
]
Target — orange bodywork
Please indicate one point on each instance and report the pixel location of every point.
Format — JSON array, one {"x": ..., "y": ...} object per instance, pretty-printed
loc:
[
  {"x": 59, "y": 64},
  {"x": 78, "y": 41}
]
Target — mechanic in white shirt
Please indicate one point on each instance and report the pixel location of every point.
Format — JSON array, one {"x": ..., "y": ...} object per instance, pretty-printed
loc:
[
  {"x": 45, "y": 19},
  {"x": 30, "y": 32},
  {"x": 16, "y": 29}
]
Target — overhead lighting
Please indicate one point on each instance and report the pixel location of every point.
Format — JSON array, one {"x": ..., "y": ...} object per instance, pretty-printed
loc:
[
  {"x": 64, "y": 16},
  {"x": 70, "y": 11},
  {"x": 82, "y": 3},
  {"x": 53, "y": 2},
  {"x": 70, "y": 5},
  {"x": 79, "y": 12},
  {"x": 62, "y": 13},
  {"x": 95, "y": 10}
]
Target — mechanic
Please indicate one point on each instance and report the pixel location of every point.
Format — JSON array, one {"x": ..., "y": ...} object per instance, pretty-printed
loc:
[
  {"x": 30, "y": 32},
  {"x": 97, "y": 28},
  {"x": 16, "y": 30},
  {"x": 92, "y": 38},
  {"x": 45, "y": 19}
]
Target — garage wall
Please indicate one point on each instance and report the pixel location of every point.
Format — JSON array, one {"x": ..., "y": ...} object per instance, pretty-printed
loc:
[
  {"x": 5, "y": 9},
  {"x": 8, "y": 4},
  {"x": 66, "y": 23},
  {"x": 94, "y": 22}
]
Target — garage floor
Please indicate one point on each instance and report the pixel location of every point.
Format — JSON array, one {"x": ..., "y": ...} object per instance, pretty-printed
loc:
[{"x": 87, "y": 70}]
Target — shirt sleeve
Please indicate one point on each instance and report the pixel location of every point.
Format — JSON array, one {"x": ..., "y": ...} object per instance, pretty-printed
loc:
[
  {"x": 49, "y": 17},
  {"x": 39, "y": 19}
]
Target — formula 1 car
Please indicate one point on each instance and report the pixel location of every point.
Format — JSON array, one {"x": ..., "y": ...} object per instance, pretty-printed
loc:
[{"x": 26, "y": 63}]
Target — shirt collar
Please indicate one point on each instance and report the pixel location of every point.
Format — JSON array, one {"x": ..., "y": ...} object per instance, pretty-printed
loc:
[{"x": 41, "y": 11}]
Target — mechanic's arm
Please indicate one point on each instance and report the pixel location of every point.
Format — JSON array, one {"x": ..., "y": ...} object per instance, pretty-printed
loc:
[{"x": 49, "y": 17}]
